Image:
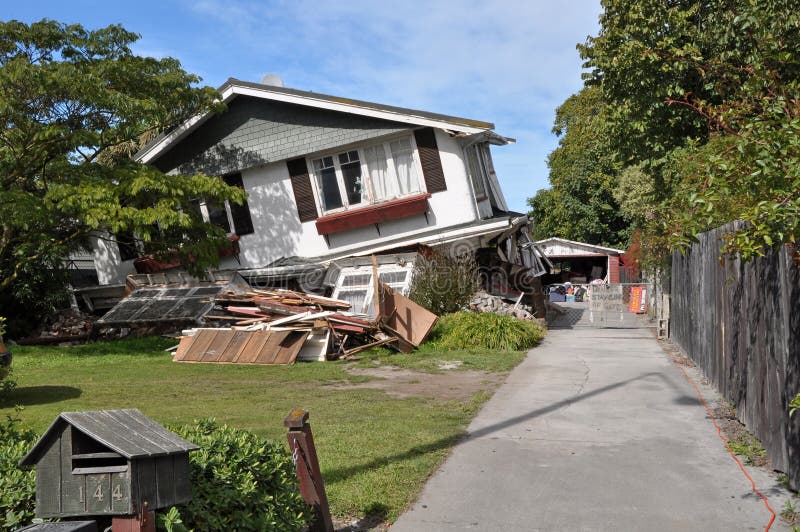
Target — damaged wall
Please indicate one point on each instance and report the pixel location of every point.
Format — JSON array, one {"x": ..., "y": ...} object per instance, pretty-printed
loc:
[{"x": 279, "y": 232}]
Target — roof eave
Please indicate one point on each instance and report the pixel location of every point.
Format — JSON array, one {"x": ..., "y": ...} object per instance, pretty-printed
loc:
[
  {"x": 584, "y": 244},
  {"x": 233, "y": 87}
]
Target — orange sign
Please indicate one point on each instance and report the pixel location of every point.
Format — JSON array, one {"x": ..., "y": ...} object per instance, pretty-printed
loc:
[{"x": 638, "y": 301}]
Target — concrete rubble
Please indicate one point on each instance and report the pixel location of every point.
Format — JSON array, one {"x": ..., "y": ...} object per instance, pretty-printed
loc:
[{"x": 484, "y": 302}]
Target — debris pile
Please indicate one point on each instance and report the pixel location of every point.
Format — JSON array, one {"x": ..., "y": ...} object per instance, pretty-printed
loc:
[
  {"x": 69, "y": 325},
  {"x": 280, "y": 326},
  {"x": 483, "y": 302}
]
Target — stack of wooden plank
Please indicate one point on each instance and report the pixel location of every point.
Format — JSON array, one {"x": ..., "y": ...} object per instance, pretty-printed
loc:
[
  {"x": 252, "y": 327},
  {"x": 265, "y": 306}
]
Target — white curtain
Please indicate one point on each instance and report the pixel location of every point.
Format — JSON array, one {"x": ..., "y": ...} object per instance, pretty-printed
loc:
[
  {"x": 382, "y": 186},
  {"x": 402, "y": 154},
  {"x": 401, "y": 179}
]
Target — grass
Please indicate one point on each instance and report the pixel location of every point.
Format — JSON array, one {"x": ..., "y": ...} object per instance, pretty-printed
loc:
[
  {"x": 375, "y": 451},
  {"x": 487, "y": 330},
  {"x": 750, "y": 448},
  {"x": 428, "y": 359},
  {"x": 790, "y": 514}
]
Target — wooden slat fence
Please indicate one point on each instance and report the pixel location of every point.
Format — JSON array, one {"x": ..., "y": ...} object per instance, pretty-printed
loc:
[{"x": 741, "y": 323}]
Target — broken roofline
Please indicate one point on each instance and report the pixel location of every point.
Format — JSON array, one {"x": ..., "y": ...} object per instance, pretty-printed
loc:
[
  {"x": 234, "y": 87},
  {"x": 492, "y": 226}
]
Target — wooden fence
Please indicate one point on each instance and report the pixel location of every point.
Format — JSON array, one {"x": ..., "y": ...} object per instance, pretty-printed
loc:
[{"x": 741, "y": 323}]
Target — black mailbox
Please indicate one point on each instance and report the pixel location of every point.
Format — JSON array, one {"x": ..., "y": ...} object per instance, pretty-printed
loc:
[{"x": 109, "y": 462}]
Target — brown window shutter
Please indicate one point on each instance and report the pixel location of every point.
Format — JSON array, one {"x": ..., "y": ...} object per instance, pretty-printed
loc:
[
  {"x": 303, "y": 193},
  {"x": 429, "y": 157}
]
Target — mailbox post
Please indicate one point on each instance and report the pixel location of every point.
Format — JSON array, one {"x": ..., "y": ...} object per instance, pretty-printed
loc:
[
  {"x": 116, "y": 463},
  {"x": 304, "y": 454}
]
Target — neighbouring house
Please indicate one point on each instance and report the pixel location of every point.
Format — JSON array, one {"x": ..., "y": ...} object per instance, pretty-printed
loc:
[
  {"x": 332, "y": 179},
  {"x": 581, "y": 263}
]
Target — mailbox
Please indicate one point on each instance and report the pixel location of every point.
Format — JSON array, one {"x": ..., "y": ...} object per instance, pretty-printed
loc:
[
  {"x": 109, "y": 462},
  {"x": 64, "y": 526}
]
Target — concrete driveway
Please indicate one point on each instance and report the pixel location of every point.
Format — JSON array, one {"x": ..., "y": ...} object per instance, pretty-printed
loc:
[{"x": 596, "y": 430}]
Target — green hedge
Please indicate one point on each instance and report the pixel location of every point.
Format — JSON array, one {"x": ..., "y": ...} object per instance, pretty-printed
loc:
[
  {"x": 240, "y": 481},
  {"x": 470, "y": 330},
  {"x": 17, "y": 486}
]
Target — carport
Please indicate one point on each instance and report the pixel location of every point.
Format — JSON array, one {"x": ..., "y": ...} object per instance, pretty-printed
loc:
[{"x": 580, "y": 263}]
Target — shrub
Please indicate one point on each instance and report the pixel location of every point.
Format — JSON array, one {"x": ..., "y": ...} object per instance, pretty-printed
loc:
[
  {"x": 240, "y": 481},
  {"x": 442, "y": 283},
  {"x": 486, "y": 330},
  {"x": 17, "y": 486},
  {"x": 6, "y": 383},
  {"x": 794, "y": 405}
]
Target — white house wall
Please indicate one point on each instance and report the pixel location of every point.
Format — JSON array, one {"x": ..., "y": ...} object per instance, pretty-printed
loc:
[
  {"x": 278, "y": 231},
  {"x": 110, "y": 268}
]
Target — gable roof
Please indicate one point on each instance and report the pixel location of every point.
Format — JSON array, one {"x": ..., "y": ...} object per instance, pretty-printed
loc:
[
  {"x": 589, "y": 248},
  {"x": 127, "y": 432},
  {"x": 234, "y": 87}
]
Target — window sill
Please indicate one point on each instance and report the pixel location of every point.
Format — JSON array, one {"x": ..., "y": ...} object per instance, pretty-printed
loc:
[{"x": 373, "y": 214}]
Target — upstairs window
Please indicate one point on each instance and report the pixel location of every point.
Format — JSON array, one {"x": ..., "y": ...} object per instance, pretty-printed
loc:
[
  {"x": 478, "y": 169},
  {"x": 373, "y": 174},
  {"x": 232, "y": 218},
  {"x": 339, "y": 177},
  {"x": 127, "y": 245},
  {"x": 238, "y": 215}
]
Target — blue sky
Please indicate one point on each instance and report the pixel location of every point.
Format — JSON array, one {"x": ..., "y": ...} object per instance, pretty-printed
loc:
[{"x": 507, "y": 62}]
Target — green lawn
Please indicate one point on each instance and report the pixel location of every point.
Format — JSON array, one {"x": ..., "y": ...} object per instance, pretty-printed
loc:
[{"x": 375, "y": 451}]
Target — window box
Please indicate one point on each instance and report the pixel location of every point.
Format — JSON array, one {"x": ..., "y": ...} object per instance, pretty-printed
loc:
[
  {"x": 374, "y": 214},
  {"x": 148, "y": 263}
]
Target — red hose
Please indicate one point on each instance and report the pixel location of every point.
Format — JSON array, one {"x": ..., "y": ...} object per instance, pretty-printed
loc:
[{"x": 725, "y": 441}]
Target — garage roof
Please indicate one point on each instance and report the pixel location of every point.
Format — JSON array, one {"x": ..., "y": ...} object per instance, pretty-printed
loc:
[{"x": 561, "y": 247}]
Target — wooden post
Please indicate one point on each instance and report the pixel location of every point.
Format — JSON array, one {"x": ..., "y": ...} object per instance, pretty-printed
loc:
[
  {"x": 146, "y": 522},
  {"x": 304, "y": 454}
]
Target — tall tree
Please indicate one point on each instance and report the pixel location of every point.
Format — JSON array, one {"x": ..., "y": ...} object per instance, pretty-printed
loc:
[
  {"x": 74, "y": 105},
  {"x": 704, "y": 100},
  {"x": 583, "y": 174}
]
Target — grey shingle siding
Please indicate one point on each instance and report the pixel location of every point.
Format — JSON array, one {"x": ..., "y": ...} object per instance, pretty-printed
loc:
[{"x": 254, "y": 132}]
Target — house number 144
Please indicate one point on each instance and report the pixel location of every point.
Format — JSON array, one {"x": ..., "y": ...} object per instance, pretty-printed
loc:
[{"x": 116, "y": 493}]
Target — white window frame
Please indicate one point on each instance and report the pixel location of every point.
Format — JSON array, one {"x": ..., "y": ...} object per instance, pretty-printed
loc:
[
  {"x": 479, "y": 182},
  {"x": 365, "y": 178},
  {"x": 204, "y": 213},
  {"x": 368, "y": 287}
]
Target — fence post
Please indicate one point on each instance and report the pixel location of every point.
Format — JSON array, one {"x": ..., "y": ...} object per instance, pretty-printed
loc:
[
  {"x": 143, "y": 522},
  {"x": 304, "y": 454}
]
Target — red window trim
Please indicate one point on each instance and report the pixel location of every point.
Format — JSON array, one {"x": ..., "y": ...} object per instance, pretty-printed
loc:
[{"x": 374, "y": 214}]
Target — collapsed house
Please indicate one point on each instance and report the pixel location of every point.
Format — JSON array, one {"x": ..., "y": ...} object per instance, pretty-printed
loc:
[{"x": 332, "y": 182}]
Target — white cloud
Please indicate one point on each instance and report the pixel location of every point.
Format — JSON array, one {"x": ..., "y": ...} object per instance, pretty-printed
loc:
[{"x": 511, "y": 63}]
